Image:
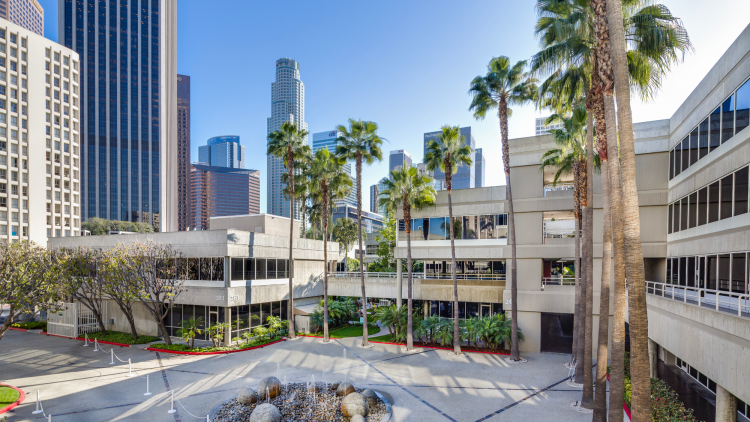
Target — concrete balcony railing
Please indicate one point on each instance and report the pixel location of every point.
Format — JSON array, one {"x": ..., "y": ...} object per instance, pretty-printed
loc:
[
  {"x": 732, "y": 303},
  {"x": 560, "y": 189},
  {"x": 421, "y": 276},
  {"x": 558, "y": 281}
]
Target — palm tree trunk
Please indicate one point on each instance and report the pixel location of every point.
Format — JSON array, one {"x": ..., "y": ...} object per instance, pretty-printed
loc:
[
  {"x": 637, "y": 311},
  {"x": 407, "y": 222},
  {"x": 365, "y": 342},
  {"x": 581, "y": 343},
  {"x": 577, "y": 263},
  {"x": 303, "y": 235},
  {"x": 290, "y": 307},
  {"x": 502, "y": 111},
  {"x": 325, "y": 260},
  {"x": 449, "y": 186},
  {"x": 587, "y": 400}
]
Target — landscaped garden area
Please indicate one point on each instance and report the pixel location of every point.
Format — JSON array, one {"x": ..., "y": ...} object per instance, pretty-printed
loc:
[
  {"x": 32, "y": 325},
  {"x": 120, "y": 337},
  {"x": 342, "y": 313},
  {"x": 8, "y": 396}
]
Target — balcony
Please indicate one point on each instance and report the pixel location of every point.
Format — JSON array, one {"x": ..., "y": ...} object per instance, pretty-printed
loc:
[
  {"x": 419, "y": 276},
  {"x": 558, "y": 189},
  {"x": 559, "y": 227},
  {"x": 737, "y": 304}
]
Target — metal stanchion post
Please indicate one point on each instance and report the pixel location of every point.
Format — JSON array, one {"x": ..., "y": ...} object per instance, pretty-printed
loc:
[
  {"x": 148, "y": 392},
  {"x": 96, "y": 345},
  {"x": 130, "y": 368},
  {"x": 85, "y": 340},
  {"x": 112, "y": 356},
  {"x": 172, "y": 409},
  {"x": 38, "y": 405}
]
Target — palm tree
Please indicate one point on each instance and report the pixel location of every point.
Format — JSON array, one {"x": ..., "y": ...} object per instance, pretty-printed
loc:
[
  {"x": 412, "y": 191},
  {"x": 500, "y": 88},
  {"x": 288, "y": 143},
  {"x": 301, "y": 186},
  {"x": 326, "y": 174},
  {"x": 361, "y": 143},
  {"x": 447, "y": 154}
]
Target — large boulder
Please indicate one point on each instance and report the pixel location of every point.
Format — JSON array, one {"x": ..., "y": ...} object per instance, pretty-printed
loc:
[
  {"x": 247, "y": 396},
  {"x": 371, "y": 397},
  {"x": 272, "y": 385},
  {"x": 354, "y": 404},
  {"x": 265, "y": 412},
  {"x": 344, "y": 389}
]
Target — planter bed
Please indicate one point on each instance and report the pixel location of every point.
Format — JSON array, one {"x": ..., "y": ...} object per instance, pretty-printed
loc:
[
  {"x": 469, "y": 349},
  {"x": 90, "y": 340},
  {"x": 336, "y": 332},
  {"x": 33, "y": 325},
  {"x": 6, "y": 390},
  {"x": 217, "y": 352}
]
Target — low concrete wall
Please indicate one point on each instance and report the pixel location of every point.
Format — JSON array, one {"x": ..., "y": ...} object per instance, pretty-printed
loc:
[{"x": 487, "y": 291}]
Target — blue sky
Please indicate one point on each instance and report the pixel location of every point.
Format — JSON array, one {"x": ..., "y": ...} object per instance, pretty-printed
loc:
[{"x": 405, "y": 65}]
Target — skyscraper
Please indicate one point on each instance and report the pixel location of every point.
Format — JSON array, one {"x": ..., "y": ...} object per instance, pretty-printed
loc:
[
  {"x": 374, "y": 193},
  {"x": 287, "y": 105},
  {"x": 381, "y": 187},
  {"x": 222, "y": 151},
  {"x": 540, "y": 128},
  {"x": 183, "y": 152},
  {"x": 128, "y": 107},
  {"x": 479, "y": 168},
  {"x": 221, "y": 191},
  {"x": 27, "y": 14},
  {"x": 328, "y": 140},
  {"x": 398, "y": 158},
  {"x": 464, "y": 178}
]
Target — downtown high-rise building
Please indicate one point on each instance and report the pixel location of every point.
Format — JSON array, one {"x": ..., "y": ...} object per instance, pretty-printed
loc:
[
  {"x": 398, "y": 158},
  {"x": 221, "y": 191},
  {"x": 479, "y": 168},
  {"x": 223, "y": 151},
  {"x": 540, "y": 128},
  {"x": 128, "y": 107},
  {"x": 465, "y": 177},
  {"x": 329, "y": 140},
  {"x": 287, "y": 105},
  {"x": 183, "y": 152},
  {"x": 27, "y": 14},
  {"x": 374, "y": 194}
]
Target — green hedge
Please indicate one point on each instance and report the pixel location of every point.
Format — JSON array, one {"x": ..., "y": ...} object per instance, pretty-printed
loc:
[
  {"x": 33, "y": 325},
  {"x": 184, "y": 348},
  {"x": 119, "y": 337}
]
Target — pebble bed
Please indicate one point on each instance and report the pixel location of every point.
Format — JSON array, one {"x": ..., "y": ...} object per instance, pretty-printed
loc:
[{"x": 297, "y": 404}]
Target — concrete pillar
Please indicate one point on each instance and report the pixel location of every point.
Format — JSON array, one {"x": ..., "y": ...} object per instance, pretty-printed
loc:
[
  {"x": 653, "y": 358},
  {"x": 669, "y": 358},
  {"x": 399, "y": 283},
  {"x": 726, "y": 405},
  {"x": 228, "y": 333}
]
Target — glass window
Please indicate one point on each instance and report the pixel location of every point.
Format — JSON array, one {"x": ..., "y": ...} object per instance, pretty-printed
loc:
[
  {"x": 726, "y": 197},
  {"x": 703, "y": 143},
  {"x": 255, "y": 315},
  {"x": 694, "y": 146},
  {"x": 685, "y": 153},
  {"x": 418, "y": 230},
  {"x": 713, "y": 267},
  {"x": 281, "y": 271},
  {"x": 260, "y": 266},
  {"x": 669, "y": 217},
  {"x": 242, "y": 319},
  {"x": 713, "y": 202},
  {"x": 401, "y": 230},
  {"x": 284, "y": 311},
  {"x": 271, "y": 268},
  {"x": 237, "y": 269},
  {"x": 738, "y": 273},
  {"x": 438, "y": 229},
  {"x": 727, "y": 119},
  {"x": 487, "y": 226},
  {"x": 471, "y": 227},
  {"x": 675, "y": 270},
  {"x": 502, "y": 226},
  {"x": 193, "y": 273},
  {"x": 682, "y": 275},
  {"x": 205, "y": 269},
  {"x": 684, "y": 213},
  {"x": 671, "y": 164},
  {"x": 715, "y": 129},
  {"x": 691, "y": 271},
  {"x": 743, "y": 107},
  {"x": 457, "y": 228},
  {"x": 740, "y": 191},
  {"x": 249, "y": 269},
  {"x": 693, "y": 209},
  {"x": 724, "y": 272},
  {"x": 218, "y": 269},
  {"x": 669, "y": 271},
  {"x": 702, "y": 206},
  {"x": 702, "y": 272}
]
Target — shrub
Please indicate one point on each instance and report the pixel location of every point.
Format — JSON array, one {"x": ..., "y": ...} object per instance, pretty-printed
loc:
[
  {"x": 123, "y": 338},
  {"x": 33, "y": 325},
  {"x": 186, "y": 348}
]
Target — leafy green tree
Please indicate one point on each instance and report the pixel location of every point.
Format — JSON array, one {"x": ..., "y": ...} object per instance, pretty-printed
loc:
[
  {"x": 447, "y": 154},
  {"x": 386, "y": 239},
  {"x": 189, "y": 329},
  {"x": 121, "y": 283},
  {"x": 345, "y": 231},
  {"x": 360, "y": 142},
  {"x": 87, "y": 279},
  {"x": 99, "y": 226}
]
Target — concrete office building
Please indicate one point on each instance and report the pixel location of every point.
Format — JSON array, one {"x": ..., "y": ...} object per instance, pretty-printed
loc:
[
  {"x": 222, "y": 151},
  {"x": 374, "y": 193},
  {"x": 479, "y": 167},
  {"x": 328, "y": 140},
  {"x": 540, "y": 128},
  {"x": 397, "y": 159},
  {"x": 371, "y": 222},
  {"x": 128, "y": 107},
  {"x": 27, "y": 14},
  {"x": 464, "y": 178},
  {"x": 221, "y": 191},
  {"x": 287, "y": 105},
  {"x": 381, "y": 187},
  {"x": 39, "y": 137},
  {"x": 183, "y": 152}
]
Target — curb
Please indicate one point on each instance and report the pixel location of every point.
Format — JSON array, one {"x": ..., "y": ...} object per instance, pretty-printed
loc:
[
  {"x": 624, "y": 404},
  {"x": 18, "y": 329},
  {"x": 21, "y": 397},
  {"x": 443, "y": 348},
  {"x": 176, "y": 352},
  {"x": 82, "y": 339}
]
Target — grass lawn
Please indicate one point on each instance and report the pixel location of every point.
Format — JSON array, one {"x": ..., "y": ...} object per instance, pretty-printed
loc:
[
  {"x": 352, "y": 331},
  {"x": 124, "y": 338},
  {"x": 7, "y": 396},
  {"x": 386, "y": 338}
]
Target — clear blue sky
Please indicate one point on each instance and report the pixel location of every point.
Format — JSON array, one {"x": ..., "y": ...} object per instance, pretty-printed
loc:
[{"x": 405, "y": 65}]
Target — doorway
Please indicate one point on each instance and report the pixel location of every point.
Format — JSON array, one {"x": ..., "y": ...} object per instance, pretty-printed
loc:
[
  {"x": 557, "y": 333},
  {"x": 485, "y": 310}
]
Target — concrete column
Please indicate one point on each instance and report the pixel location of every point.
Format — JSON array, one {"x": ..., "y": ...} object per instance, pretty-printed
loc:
[
  {"x": 228, "y": 333},
  {"x": 653, "y": 358},
  {"x": 726, "y": 405},
  {"x": 399, "y": 283},
  {"x": 669, "y": 358}
]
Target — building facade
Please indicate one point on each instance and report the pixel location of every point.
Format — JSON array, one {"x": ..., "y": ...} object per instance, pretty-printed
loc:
[
  {"x": 398, "y": 158},
  {"x": 39, "y": 137},
  {"x": 27, "y": 14},
  {"x": 128, "y": 107},
  {"x": 464, "y": 178},
  {"x": 287, "y": 105},
  {"x": 183, "y": 152},
  {"x": 221, "y": 191},
  {"x": 479, "y": 168},
  {"x": 374, "y": 193},
  {"x": 223, "y": 151},
  {"x": 328, "y": 140},
  {"x": 540, "y": 128},
  {"x": 371, "y": 222}
]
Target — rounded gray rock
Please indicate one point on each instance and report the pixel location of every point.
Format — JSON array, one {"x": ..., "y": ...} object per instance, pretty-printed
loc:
[
  {"x": 344, "y": 389},
  {"x": 270, "y": 384},
  {"x": 247, "y": 396},
  {"x": 335, "y": 385},
  {"x": 371, "y": 397},
  {"x": 265, "y": 412},
  {"x": 357, "y": 418},
  {"x": 354, "y": 404}
]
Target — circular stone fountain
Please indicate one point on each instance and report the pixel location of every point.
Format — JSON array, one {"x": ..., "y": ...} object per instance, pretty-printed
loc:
[{"x": 305, "y": 402}]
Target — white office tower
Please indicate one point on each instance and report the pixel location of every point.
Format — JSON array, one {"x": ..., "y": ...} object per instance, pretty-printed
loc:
[
  {"x": 287, "y": 105},
  {"x": 39, "y": 139}
]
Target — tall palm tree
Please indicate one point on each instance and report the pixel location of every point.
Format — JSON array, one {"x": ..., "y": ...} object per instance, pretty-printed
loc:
[
  {"x": 326, "y": 174},
  {"x": 360, "y": 142},
  {"x": 301, "y": 186},
  {"x": 413, "y": 192},
  {"x": 505, "y": 85},
  {"x": 447, "y": 154},
  {"x": 289, "y": 144}
]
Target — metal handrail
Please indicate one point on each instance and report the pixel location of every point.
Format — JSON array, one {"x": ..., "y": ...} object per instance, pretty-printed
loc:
[
  {"x": 421, "y": 276},
  {"x": 559, "y": 281},
  {"x": 718, "y": 298}
]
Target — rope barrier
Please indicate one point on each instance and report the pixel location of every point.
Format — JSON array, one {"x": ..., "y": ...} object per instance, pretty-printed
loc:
[{"x": 184, "y": 408}]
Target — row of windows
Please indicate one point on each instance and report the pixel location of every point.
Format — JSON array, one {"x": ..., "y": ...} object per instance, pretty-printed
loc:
[
  {"x": 259, "y": 268},
  {"x": 466, "y": 227},
  {"x": 732, "y": 116},
  {"x": 443, "y": 268},
  {"x": 14, "y": 230},
  {"x": 721, "y": 199},
  {"x": 725, "y": 272},
  {"x": 243, "y": 318}
]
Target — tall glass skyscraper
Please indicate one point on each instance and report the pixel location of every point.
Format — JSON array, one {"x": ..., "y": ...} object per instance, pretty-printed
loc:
[
  {"x": 287, "y": 105},
  {"x": 128, "y": 107},
  {"x": 479, "y": 168},
  {"x": 328, "y": 140},
  {"x": 183, "y": 152},
  {"x": 223, "y": 151},
  {"x": 398, "y": 158},
  {"x": 464, "y": 178}
]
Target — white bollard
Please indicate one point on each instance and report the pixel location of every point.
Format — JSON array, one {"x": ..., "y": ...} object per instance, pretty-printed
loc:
[
  {"x": 38, "y": 405},
  {"x": 130, "y": 368},
  {"x": 96, "y": 345},
  {"x": 85, "y": 340},
  {"x": 112, "y": 356},
  {"x": 208, "y": 419},
  {"x": 49, "y": 417},
  {"x": 148, "y": 392},
  {"x": 172, "y": 409}
]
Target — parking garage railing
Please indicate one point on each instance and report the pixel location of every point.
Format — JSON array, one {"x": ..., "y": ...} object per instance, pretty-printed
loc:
[
  {"x": 718, "y": 300},
  {"x": 559, "y": 281}
]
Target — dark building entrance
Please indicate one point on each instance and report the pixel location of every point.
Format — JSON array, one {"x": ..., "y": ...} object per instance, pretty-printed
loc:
[{"x": 557, "y": 333}]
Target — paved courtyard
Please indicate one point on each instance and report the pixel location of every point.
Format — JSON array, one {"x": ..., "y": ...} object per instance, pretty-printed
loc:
[{"x": 78, "y": 384}]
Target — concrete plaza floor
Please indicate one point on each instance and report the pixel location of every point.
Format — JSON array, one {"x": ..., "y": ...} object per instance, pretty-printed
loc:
[{"x": 78, "y": 384}]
